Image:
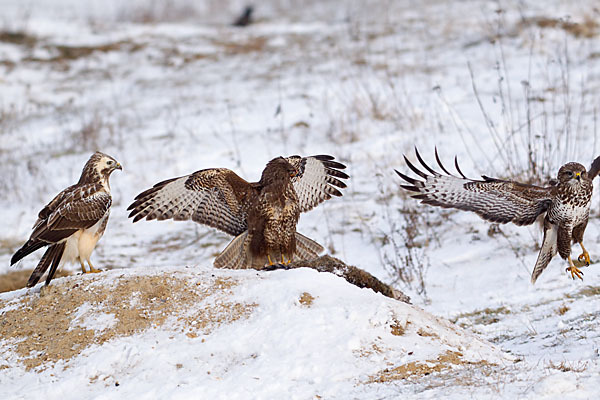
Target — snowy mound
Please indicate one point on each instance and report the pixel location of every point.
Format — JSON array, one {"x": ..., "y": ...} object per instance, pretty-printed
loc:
[{"x": 189, "y": 332}]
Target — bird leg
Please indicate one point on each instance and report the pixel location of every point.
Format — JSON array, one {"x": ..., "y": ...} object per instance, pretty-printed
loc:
[
  {"x": 92, "y": 269},
  {"x": 575, "y": 272},
  {"x": 83, "y": 271},
  {"x": 585, "y": 256},
  {"x": 269, "y": 258},
  {"x": 282, "y": 259}
]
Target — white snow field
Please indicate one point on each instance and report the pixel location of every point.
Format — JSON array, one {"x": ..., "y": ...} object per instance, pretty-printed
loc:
[{"x": 167, "y": 88}]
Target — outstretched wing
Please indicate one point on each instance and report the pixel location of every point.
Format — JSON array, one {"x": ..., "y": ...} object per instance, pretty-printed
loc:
[
  {"x": 216, "y": 197},
  {"x": 495, "y": 200},
  {"x": 316, "y": 179},
  {"x": 594, "y": 168}
]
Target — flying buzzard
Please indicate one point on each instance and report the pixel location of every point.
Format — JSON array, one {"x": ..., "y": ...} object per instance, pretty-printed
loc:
[
  {"x": 261, "y": 215},
  {"x": 73, "y": 222},
  {"x": 566, "y": 203}
]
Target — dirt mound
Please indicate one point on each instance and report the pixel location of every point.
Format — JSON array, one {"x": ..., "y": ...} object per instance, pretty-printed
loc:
[
  {"x": 70, "y": 315},
  {"x": 14, "y": 280}
]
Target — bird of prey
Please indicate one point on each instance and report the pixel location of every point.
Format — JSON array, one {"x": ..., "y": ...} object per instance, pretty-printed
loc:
[
  {"x": 566, "y": 204},
  {"x": 261, "y": 215},
  {"x": 245, "y": 18},
  {"x": 73, "y": 222}
]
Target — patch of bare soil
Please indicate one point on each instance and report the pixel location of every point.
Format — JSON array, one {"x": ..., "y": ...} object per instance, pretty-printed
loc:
[
  {"x": 66, "y": 317},
  {"x": 587, "y": 28},
  {"x": 306, "y": 299},
  {"x": 14, "y": 280},
  {"x": 416, "y": 370}
]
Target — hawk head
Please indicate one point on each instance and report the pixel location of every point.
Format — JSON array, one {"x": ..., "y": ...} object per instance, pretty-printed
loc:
[
  {"x": 99, "y": 167},
  {"x": 278, "y": 170},
  {"x": 572, "y": 174}
]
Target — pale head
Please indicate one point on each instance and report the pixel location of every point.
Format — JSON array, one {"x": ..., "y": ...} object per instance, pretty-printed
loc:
[
  {"x": 98, "y": 168},
  {"x": 572, "y": 174}
]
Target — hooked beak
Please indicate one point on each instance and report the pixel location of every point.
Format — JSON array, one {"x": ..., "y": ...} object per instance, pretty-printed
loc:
[
  {"x": 119, "y": 167},
  {"x": 578, "y": 176}
]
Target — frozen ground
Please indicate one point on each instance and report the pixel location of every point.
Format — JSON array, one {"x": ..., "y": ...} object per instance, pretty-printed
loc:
[{"x": 510, "y": 87}]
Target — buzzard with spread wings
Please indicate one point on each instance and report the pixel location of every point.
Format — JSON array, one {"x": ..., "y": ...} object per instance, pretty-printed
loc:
[
  {"x": 73, "y": 222},
  {"x": 566, "y": 204},
  {"x": 261, "y": 215}
]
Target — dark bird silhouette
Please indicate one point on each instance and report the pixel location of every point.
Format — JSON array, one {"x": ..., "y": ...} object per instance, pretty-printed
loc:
[{"x": 245, "y": 18}]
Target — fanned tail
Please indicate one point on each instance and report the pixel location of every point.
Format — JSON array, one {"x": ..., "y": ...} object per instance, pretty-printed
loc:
[
  {"x": 52, "y": 257},
  {"x": 306, "y": 248},
  {"x": 235, "y": 254},
  {"x": 548, "y": 250}
]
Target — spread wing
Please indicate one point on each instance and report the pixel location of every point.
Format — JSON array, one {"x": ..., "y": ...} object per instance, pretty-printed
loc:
[
  {"x": 493, "y": 199},
  {"x": 216, "y": 197},
  {"x": 318, "y": 178},
  {"x": 594, "y": 168}
]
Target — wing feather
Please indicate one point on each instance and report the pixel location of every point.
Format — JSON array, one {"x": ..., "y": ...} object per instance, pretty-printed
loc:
[
  {"x": 318, "y": 178},
  {"x": 80, "y": 207},
  {"x": 215, "y": 197},
  {"x": 492, "y": 199}
]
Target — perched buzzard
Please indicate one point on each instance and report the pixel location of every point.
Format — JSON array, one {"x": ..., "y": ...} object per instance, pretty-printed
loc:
[
  {"x": 261, "y": 215},
  {"x": 73, "y": 222},
  {"x": 566, "y": 204}
]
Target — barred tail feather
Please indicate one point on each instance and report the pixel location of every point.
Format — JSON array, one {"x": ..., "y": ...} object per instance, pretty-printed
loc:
[
  {"x": 548, "y": 250},
  {"x": 306, "y": 248},
  {"x": 52, "y": 256},
  {"x": 235, "y": 255}
]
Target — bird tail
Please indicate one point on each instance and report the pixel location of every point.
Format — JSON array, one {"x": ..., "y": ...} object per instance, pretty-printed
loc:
[
  {"x": 235, "y": 255},
  {"x": 306, "y": 248},
  {"x": 52, "y": 257},
  {"x": 29, "y": 247},
  {"x": 548, "y": 250}
]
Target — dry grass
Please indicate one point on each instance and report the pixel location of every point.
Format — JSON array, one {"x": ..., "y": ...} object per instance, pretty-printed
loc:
[
  {"x": 413, "y": 371},
  {"x": 588, "y": 28},
  {"x": 50, "y": 327},
  {"x": 486, "y": 316},
  {"x": 566, "y": 366},
  {"x": 562, "y": 310}
]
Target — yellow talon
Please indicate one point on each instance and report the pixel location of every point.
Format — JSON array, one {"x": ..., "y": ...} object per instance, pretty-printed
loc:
[
  {"x": 575, "y": 272},
  {"x": 584, "y": 256},
  {"x": 269, "y": 258},
  {"x": 282, "y": 259}
]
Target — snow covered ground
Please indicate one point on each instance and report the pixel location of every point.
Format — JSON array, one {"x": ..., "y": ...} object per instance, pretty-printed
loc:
[{"x": 511, "y": 87}]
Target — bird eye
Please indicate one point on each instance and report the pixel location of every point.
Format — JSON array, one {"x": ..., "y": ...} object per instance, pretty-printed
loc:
[
  {"x": 569, "y": 173},
  {"x": 110, "y": 162}
]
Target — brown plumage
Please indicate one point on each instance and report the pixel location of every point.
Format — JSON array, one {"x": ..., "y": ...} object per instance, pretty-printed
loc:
[
  {"x": 565, "y": 203},
  {"x": 261, "y": 215},
  {"x": 73, "y": 222}
]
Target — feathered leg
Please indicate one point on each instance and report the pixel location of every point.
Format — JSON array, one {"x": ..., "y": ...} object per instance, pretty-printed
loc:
[{"x": 578, "y": 237}]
